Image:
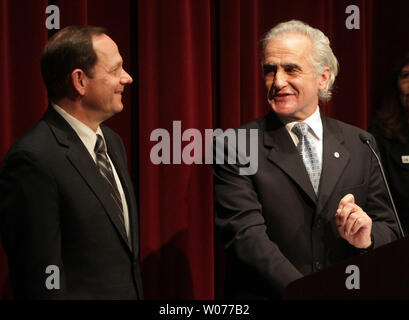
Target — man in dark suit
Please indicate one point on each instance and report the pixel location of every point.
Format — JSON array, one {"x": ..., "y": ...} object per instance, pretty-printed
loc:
[
  {"x": 317, "y": 197},
  {"x": 68, "y": 214}
]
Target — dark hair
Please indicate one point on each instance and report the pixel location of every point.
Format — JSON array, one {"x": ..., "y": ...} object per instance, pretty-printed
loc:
[
  {"x": 65, "y": 51},
  {"x": 390, "y": 117}
]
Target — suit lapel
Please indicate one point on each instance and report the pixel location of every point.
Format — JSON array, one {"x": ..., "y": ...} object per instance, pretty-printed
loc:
[
  {"x": 285, "y": 155},
  {"x": 80, "y": 158},
  {"x": 334, "y": 160},
  {"x": 88, "y": 170}
]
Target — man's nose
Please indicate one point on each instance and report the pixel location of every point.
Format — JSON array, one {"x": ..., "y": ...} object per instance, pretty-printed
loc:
[
  {"x": 280, "y": 79},
  {"x": 126, "y": 78}
]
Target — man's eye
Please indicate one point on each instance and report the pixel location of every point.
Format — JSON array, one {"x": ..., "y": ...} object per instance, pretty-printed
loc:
[
  {"x": 268, "y": 68},
  {"x": 290, "y": 70},
  {"x": 116, "y": 69}
]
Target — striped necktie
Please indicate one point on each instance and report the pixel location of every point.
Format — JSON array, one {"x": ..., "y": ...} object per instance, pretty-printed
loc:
[
  {"x": 308, "y": 153},
  {"x": 105, "y": 169}
]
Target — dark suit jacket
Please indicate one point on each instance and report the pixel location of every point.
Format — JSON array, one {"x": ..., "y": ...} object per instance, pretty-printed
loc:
[
  {"x": 273, "y": 226},
  {"x": 56, "y": 209}
]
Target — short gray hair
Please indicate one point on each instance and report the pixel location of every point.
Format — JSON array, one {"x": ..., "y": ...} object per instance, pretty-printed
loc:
[{"x": 322, "y": 53}]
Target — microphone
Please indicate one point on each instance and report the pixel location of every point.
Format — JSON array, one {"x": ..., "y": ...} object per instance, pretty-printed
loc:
[{"x": 365, "y": 138}]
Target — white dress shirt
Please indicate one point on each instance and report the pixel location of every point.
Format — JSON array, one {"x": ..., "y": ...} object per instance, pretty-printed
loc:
[
  {"x": 89, "y": 138},
  {"x": 315, "y": 132}
]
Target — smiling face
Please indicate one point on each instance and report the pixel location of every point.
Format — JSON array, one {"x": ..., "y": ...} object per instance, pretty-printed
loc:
[
  {"x": 289, "y": 77},
  {"x": 403, "y": 85},
  {"x": 103, "y": 93}
]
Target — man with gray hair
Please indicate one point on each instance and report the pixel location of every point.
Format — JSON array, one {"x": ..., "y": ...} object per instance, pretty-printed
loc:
[{"x": 318, "y": 195}]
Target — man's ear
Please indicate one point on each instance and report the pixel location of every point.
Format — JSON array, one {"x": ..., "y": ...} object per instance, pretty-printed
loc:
[
  {"x": 323, "y": 79},
  {"x": 79, "y": 81}
]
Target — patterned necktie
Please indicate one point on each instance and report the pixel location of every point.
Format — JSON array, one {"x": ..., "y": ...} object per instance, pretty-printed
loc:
[
  {"x": 106, "y": 170},
  {"x": 308, "y": 153}
]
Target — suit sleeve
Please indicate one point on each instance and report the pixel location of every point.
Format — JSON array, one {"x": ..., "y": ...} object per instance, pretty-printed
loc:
[
  {"x": 30, "y": 228},
  {"x": 378, "y": 206},
  {"x": 239, "y": 220}
]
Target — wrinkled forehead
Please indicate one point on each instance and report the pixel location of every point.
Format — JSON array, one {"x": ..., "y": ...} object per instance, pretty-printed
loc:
[{"x": 286, "y": 47}]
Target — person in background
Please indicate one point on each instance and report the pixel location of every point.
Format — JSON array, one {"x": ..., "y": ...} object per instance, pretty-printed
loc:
[{"x": 390, "y": 127}]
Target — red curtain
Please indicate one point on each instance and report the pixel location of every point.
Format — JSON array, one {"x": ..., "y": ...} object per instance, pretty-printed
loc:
[
  {"x": 176, "y": 201},
  {"x": 197, "y": 62},
  {"x": 23, "y": 98}
]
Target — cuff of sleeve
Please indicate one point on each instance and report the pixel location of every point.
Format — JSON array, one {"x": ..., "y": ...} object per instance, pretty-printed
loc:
[{"x": 370, "y": 248}]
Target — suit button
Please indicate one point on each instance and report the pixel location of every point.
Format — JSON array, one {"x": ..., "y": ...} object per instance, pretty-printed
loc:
[{"x": 318, "y": 265}]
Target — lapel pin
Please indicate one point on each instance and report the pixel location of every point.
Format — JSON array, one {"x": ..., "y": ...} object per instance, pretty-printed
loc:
[{"x": 336, "y": 155}]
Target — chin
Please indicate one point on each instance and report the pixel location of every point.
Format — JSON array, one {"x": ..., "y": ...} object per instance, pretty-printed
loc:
[
  {"x": 283, "y": 109},
  {"x": 118, "y": 108}
]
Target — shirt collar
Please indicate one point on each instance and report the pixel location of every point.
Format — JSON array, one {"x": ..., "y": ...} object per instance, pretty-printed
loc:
[
  {"x": 314, "y": 121},
  {"x": 85, "y": 133}
]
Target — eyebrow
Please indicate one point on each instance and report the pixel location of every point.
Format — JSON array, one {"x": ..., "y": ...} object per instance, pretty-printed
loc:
[
  {"x": 291, "y": 66},
  {"x": 271, "y": 67}
]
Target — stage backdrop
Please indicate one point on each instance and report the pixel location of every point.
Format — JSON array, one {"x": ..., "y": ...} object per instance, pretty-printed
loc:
[{"x": 197, "y": 62}]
